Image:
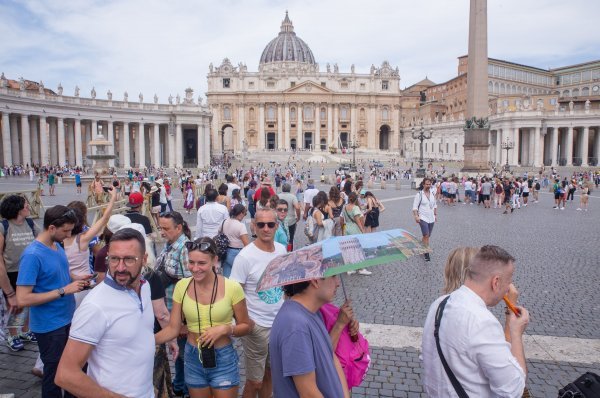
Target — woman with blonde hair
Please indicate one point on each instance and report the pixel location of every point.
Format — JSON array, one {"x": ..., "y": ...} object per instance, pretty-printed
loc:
[{"x": 456, "y": 266}]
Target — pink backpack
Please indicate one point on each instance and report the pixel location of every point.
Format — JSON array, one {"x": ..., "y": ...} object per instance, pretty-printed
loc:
[{"x": 354, "y": 357}]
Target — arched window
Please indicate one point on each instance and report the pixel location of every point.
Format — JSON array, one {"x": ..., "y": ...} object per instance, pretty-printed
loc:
[
  {"x": 566, "y": 93},
  {"x": 385, "y": 114},
  {"x": 344, "y": 113},
  {"x": 308, "y": 112},
  {"x": 490, "y": 87},
  {"x": 226, "y": 112},
  {"x": 585, "y": 91},
  {"x": 576, "y": 92},
  {"x": 362, "y": 114},
  {"x": 251, "y": 114},
  {"x": 292, "y": 113},
  {"x": 323, "y": 114},
  {"x": 271, "y": 112}
]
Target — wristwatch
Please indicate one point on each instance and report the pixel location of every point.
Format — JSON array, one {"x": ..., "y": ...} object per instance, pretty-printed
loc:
[{"x": 61, "y": 291}]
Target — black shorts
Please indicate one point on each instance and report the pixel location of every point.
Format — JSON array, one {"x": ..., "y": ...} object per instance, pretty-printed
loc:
[
  {"x": 485, "y": 197},
  {"x": 78, "y": 185},
  {"x": 557, "y": 195},
  {"x": 525, "y": 194}
]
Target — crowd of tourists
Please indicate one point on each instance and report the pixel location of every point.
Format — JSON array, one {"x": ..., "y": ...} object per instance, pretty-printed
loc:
[{"x": 106, "y": 308}]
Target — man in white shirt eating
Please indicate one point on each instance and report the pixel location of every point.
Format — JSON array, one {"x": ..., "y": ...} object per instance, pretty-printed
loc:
[{"x": 471, "y": 339}]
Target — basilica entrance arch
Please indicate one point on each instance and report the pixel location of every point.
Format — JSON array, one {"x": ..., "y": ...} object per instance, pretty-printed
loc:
[
  {"x": 190, "y": 147},
  {"x": 293, "y": 143},
  {"x": 323, "y": 144},
  {"x": 343, "y": 140},
  {"x": 308, "y": 140},
  {"x": 384, "y": 137},
  {"x": 226, "y": 137}
]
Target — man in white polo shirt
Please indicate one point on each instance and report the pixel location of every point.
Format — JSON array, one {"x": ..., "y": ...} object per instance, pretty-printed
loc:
[{"x": 112, "y": 330}]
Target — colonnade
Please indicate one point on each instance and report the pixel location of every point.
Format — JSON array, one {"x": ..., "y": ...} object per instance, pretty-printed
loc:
[
  {"x": 552, "y": 145},
  {"x": 29, "y": 139}
]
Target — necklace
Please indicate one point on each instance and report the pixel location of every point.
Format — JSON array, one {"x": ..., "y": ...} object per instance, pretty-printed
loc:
[{"x": 213, "y": 296}]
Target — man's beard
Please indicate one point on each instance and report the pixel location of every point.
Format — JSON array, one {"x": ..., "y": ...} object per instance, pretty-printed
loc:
[{"x": 131, "y": 277}]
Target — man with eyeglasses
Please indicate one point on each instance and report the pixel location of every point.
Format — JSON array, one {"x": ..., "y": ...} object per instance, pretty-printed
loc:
[
  {"x": 45, "y": 285},
  {"x": 248, "y": 267},
  {"x": 113, "y": 329}
]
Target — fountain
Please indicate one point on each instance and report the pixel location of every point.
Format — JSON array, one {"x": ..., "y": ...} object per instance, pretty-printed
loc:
[{"x": 100, "y": 156}]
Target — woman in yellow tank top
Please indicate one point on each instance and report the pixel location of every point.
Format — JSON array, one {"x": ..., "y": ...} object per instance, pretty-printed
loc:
[{"x": 208, "y": 303}]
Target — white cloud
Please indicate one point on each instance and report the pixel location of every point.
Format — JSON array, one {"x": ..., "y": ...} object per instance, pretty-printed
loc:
[{"x": 163, "y": 47}]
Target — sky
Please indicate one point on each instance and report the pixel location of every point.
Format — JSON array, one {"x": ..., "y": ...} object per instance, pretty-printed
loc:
[{"x": 163, "y": 47}]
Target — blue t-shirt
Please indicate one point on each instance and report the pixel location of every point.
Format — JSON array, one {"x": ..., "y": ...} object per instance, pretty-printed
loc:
[
  {"x": 77, "y": 179},
  {"x": 299, "y": 344},
  {"x": 46, "y": 270}
]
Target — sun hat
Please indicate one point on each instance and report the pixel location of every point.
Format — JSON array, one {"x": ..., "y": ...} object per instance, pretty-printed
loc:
[
  {"x": 159, "y": 181},
  {"x": 153, "y": 189}
]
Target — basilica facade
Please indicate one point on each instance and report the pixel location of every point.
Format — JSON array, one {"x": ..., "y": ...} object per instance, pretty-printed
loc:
[{"x": 293, "y": 103}]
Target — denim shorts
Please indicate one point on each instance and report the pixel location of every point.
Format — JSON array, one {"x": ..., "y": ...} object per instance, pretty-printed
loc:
[{"x": 225, "y": 376}]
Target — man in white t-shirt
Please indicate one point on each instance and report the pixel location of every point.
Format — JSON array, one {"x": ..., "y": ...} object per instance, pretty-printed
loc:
[
  {"x": 231, "y": 184},
  {"x": 113, "y": 329},
  {"x": 211, "y": 216},
  {"x": 309, "y": 194},
  {"x": 248, "y": 267}
]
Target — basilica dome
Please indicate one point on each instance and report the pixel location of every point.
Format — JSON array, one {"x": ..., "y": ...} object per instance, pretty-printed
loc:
[{"x": 287, "y": 47}]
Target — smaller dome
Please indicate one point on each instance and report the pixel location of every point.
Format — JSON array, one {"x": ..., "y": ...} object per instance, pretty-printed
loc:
[{"x": 287, "y": 47}]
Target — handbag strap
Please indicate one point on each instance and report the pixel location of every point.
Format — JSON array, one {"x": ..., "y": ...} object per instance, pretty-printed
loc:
[{"x": 438, "y": 320}]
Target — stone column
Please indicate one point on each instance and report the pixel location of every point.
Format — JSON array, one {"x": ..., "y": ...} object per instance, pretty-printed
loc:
[
  {"x": 554, "y": 148},
  {"x": 584, "y": 146},
  {"x": 538, "y": 156},
  {"x": 87, "y": 133},
  {"x": 126, "y": 157},
  {"x": 286, "y": 139},
  {"x": 62, "y": 156},
  {"x": 597, "y": 145},
  {"x": 200, "y": 145},
  {"x": 317, "y": 135},
  {"x": 516, "y": 149},
  {"x": 178, "y": 146},
  {"x": 299, "y": 128},
  {"x": 111, "y": 137},
  {"x": 35, "y": 141},
  {"x": 53, "y": 141},
  {"x": 279, "y": 126},
  {"x": 396, "y": 126},
  {"x": 78, "y": 146},
  {"x": 206, "y": 135},
  {"x": 241, "y": 128},
  {"x": 330, "y": 140},
  {"x": 141, "y": 145},
  {"x": 14, "y": 139},
  {"x": 498, "y": 146},
  {"x": 569, "y": 147},
  {"x": 25, "y": 144},
  {"x": 171, "y": 142},
  {"x": 6, "y": 141},
  {"x": 71, "y": 142},
  {"x": 372, "y": 133},
  {"x": 44, "y": 144},
  {"x": 261, "y": 127},
  {"x": 156, "y": 139},
  {"x": 94, "y": 133},
  {"x": 336, "y": 126},
  {"x": 353, "y": 124}
]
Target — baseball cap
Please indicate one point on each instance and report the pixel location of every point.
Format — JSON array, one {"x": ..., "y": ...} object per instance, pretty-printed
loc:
[
  {"x": 116, "y": 221},
  {"x": 135, "y": 199}
]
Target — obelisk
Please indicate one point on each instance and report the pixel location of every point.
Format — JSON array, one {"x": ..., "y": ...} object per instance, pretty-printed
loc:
[{"x": 476, "y": 146}]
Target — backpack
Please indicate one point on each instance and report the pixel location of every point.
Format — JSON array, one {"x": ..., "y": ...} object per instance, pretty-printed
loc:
[
  {"x": 222, "y": 242},
  {"x": 537, "y": 186},
  {"x": 310, "y": 226},
  {"x": 6, "y": 224}
]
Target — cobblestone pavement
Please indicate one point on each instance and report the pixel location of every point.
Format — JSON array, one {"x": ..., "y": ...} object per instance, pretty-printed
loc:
[{"x": 557, "y": 273}]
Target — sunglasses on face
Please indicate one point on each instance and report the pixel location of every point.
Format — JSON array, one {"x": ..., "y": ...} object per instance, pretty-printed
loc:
[
  {"x": 261, "y": 225},
  {"x": 282, "y": 209},
  {"x": 202, "y": 246}
]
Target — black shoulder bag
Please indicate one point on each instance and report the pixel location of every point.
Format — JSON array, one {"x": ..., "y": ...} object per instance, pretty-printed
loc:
[{"x": 438, "y": 320}]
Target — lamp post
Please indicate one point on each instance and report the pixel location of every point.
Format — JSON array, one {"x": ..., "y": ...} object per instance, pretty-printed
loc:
[
  {"x": 507, "y": 146},
  {"x": 353, "y": 144},
  {"x": 422, "y": 134}
]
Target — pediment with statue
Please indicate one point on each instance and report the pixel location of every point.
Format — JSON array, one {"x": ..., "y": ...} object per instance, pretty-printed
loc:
[{"x": 386, "y": 70}]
